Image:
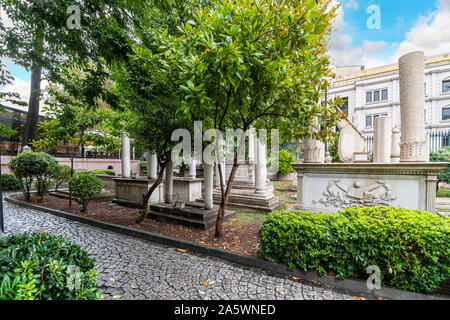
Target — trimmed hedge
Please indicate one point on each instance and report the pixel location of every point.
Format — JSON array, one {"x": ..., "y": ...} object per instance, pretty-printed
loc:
[
  {"x": 41, "y": 266},
  {"x": 10, "y": 182},
  {"x": 102, "y": 171},
  {"x": 411, "y": 247}
]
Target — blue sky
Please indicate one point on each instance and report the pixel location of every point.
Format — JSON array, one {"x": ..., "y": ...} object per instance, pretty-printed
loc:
[{"x": 406, "y": 25}]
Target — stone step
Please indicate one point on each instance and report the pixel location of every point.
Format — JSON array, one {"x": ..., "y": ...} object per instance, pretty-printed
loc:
[{"x": 190, "y": 222}]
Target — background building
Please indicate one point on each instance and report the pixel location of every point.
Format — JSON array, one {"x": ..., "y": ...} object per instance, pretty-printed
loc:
[{"x": 374, "y": 92}]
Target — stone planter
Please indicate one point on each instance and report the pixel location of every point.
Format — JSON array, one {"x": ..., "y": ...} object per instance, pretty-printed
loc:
[{"x": 108, "y": 183}]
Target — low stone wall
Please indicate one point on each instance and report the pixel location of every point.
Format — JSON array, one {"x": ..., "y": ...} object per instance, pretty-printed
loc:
[
  {"x": 332, "y": 187},
  {"x": 108, "y": 183}
]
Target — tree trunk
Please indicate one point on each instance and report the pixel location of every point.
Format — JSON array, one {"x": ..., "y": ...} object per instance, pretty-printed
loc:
[
  {"x": 226, "y": 195},
  {"x": 71, "y": 175},
  {"x": 30, "y": 133},
  {"x": 146, "y": 197}
]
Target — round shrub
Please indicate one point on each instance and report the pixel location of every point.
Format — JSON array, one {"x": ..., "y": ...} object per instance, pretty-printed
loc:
[
  {"x": 10, "y": 182},
  {"x": 31, "y": 165},
  {"x": 103, "y": 171},
  {"x": 84, "y": 187},
  {"x": 411, "y": 247},
  {"x": 286, "y": 159},
  {"x": 41, "y": 266},
  {"x": 61, "y": 174}
]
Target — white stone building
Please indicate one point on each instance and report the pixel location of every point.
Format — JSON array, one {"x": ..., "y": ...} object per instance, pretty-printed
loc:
[{"x": 371, "y": 93}]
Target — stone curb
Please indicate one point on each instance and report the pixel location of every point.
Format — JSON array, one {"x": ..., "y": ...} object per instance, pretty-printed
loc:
[{"x": 351, "y": 285}]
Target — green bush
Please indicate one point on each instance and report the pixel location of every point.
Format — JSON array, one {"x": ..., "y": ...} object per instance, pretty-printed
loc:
[
  {"x": 102, "y": 171},
  {"x": 411, "y": 247},
  {"x": 61, "y": 174},
  {"x": 333, "y": 149},
  {"x": 40, "y": 266},
  {"x": 442, "y": 155},
  {"x": 10, "y": 182},
  {"x": 84, "y": 187},
  {"x": 286, "y": 159},
  {"x": 33, "y": 165},
  {"x": 444, "y": 192}
]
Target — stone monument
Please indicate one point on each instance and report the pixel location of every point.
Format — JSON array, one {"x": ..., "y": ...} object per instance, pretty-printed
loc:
[{"x": 382, "y": 140}]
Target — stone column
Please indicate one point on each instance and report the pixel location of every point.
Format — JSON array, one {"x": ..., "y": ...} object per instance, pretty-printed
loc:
[
  {"x": 152, "y": 165},
  {"x": 382, "y": 140},
  {"x": 299, "y": 179},
  {"x": 192, "y": 172},
  {"x": 251, "y": 146},
  {"x": 208, "y": 180},
  {"x": 414, "y": 146},
  {"x": 126, "y": 166},
  {"x": 260, "y": 168},
  {"x": 395, "y": 145},
  {"x": 168, "y": 184},
  {"x": 431, "y": 193}
]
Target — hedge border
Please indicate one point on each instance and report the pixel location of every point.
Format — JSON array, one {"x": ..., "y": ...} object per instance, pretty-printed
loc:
[{"x": 355, "y": 286}]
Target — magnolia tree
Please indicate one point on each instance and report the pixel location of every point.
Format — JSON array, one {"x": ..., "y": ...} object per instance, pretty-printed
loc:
[{"x": 261, "y": 64}]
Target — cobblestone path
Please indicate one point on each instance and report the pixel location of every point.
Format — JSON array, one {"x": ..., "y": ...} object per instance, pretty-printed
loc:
[{"x": 131, "y": 268}]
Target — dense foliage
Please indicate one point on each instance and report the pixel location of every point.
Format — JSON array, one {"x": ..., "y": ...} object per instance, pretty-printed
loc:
[
  {"x": 85, "y": 187},
  {"x": 40, "y": 266},
  {"x": 442, "y": 155},
  {"x": 102, "y": 171},
  {"x": 333, "y": 149},
  {"x": 411, "y": 247},
  {"x": 286, "y": 159},
  {"x": 60, "y": 175},
  {"x": 29, "y": 165},
  {"x": 443, "y": 192},
  {"x": 10, "y": 182}
]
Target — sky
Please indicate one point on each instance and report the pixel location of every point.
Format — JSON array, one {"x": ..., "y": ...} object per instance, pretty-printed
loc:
[{"x": 404, "y": 26}]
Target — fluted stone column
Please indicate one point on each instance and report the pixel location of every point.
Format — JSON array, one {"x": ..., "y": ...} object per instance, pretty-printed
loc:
[
  {"x": 260, "y": 168},
  {"x": 152, "y": 165},
  {"x": 431, "y": 193},
  {"x": 126, "y": 165},
  {"x": 395, "y": 145},
  {"x": 208, "y": 180},
  {"x": 414, "y": 146},
  {"x": 168, "y": 184},
  {"x": 382, "y": 140},
  {"x": 251, "y": 145}
]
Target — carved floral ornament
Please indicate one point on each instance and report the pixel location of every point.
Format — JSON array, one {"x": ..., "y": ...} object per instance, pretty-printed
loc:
[{"x": 340, "y": 195}]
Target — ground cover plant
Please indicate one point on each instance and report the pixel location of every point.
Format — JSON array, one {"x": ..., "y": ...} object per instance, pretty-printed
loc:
[{"x": 411, "y": 247}]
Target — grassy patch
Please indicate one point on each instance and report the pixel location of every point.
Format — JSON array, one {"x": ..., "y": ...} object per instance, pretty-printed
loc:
[
  {"x": 444, "y": 192},
  {"x": 281, "y": 185}
]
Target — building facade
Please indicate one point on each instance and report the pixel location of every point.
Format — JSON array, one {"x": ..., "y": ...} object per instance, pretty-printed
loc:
[{"x": 368, "y": 94}]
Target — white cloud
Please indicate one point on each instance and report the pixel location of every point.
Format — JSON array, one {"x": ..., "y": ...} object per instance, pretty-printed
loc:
[
  {"x": 352, "y": 4},
  {"x": 344, "y": 55},
  {"x": 22, "y": 88},
  {"x": 430, "y": 34}
]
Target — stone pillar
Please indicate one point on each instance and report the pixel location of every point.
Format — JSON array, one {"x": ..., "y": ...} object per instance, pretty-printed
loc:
[
  {"x": 26, "y": 149},
  {"x": 382, "y": 140},
  {"x": 251, "y": 146},
  {"x": 431, "y": 193},
  {"x": 395, "y": 145},
  {"x": 168, "y": 184},
  {"x": 192, "y": 172},
  {"x": 208, "y": 180},
  {"x": 313, "y": 150},
  {"x": 299, "y": 179},
  {"x": 414, "y": 146},
  {"x": 152, "y": 165},
  {"x": 328, "y": 157},
  {"x": 126, "y": 166},
  {"x": 260, "y": 168}
]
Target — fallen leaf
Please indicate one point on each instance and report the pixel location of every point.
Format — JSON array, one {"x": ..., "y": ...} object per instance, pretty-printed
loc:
[
  {"x": 181, "y": 250},
  {"x": 201, "y": 292},
  {"x": 281, "y": 292},
  {"x": 382, "y": 298},
  {"x": 117, "y": 296},
  {"x": 212, "y": 282},
  {"x": 358, "y": 298},
  {"x": 41, "y": 232},
  {"x": 205, "y": 283},
  {"x": 296, "y": 278}
]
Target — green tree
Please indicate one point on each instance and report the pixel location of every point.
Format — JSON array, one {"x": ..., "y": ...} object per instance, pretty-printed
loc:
[
  {"x": 442, "y": 155},
  {"x": 261, "y": 64}
]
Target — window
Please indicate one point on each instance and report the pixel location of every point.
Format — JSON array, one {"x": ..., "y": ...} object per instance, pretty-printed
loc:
[
  {"x": 377, "y": 95},
  {"x": 446, "y": 113},
  {"x": 370, "y": 119},
  {"x": 445, "y": 86},
  {"x": 344, "y": 106}
]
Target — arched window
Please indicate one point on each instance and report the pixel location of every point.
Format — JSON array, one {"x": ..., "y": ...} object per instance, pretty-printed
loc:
[
  {"x": 446, "y": 113},
  {"x": 446, "y": 85}
]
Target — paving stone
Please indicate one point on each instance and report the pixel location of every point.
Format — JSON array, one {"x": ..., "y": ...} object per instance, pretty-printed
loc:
[{"x": 147, "y": 270}]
